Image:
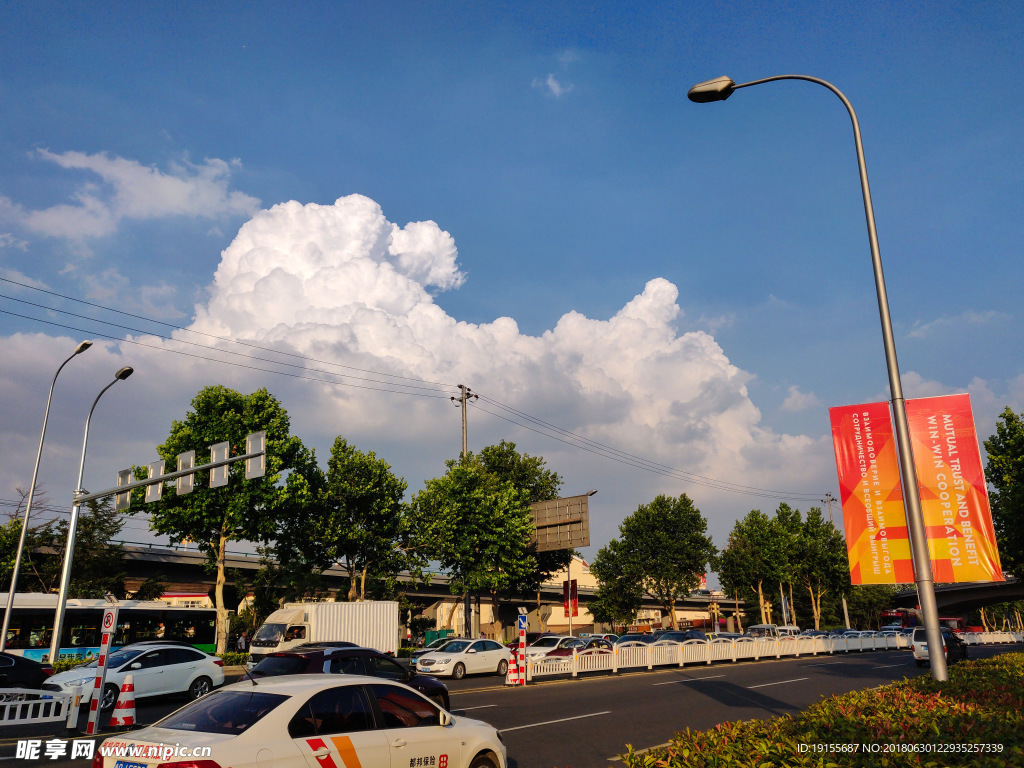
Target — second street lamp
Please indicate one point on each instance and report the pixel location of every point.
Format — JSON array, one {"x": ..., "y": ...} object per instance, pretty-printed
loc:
[
  {"x": 31, "y": 495},
  {"x": 720, "y": 89},
  {"x": 69, "y": 547}
]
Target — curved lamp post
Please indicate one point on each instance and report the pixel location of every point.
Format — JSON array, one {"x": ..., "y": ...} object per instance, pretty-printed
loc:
[
  {"x": 31, "y": 495},
  {"x": 69, "y": 551},
  {"x": 722, "y": 88}
]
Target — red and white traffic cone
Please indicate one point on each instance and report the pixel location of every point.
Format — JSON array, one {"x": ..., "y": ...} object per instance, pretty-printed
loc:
[
  {"x": 124, "y": 710},
  {"x": 512, "y": 676}
]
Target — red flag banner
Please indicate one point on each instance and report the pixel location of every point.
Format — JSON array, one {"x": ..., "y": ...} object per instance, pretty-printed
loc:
[
  {"x": 954, "y": 499},
  {"x": 869, "y": 484}
]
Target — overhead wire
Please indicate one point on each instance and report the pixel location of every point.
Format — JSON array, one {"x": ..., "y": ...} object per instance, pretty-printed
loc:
[
  {"x": 599, "y": 449},
  {"x": 517, "y": 417}
]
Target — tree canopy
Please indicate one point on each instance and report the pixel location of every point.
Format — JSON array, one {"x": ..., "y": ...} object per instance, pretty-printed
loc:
[
  {"x": 662, "y": 548},
  {"x": 353, "y": 516},
  {"x": 754, "y": 557},
  {"x": 476, "y": 526},
  {"x": 243, "y": 510},
  {"x": 1005, "y": 472}
]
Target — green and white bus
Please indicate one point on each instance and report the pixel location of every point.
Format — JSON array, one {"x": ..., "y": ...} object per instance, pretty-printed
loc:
[{"x": 31, "y": 627}]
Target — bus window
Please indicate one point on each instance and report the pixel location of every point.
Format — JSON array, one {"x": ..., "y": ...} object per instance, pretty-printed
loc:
[{"x": 148, "y": 625}]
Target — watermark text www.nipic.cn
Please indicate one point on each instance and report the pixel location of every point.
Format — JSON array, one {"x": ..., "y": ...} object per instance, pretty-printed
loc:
[
  {"x": 51, "y": 749},
  {"x": 890, "y": 748}
]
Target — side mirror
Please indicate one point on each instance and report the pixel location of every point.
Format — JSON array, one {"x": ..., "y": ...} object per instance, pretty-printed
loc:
[
  {"x": 136, "y": 665},
  {"x": 471, "y": 650},
  {"x": 445, "y": 719}
]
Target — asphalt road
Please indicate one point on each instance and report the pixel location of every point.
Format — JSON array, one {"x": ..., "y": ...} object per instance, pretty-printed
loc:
[{"x": 586, "y": 723}]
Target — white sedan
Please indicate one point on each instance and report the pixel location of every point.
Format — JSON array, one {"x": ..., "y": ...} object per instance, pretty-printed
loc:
[
  {"x": 157, "y": 669},
  {"x": 461, "y": 657},
  {"x": 310, "y": 721}
]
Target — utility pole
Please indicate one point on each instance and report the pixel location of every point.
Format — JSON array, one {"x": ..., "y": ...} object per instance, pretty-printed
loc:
[
  {"x": 828, "y": 500},
  {"x": 462, "y": 400}
]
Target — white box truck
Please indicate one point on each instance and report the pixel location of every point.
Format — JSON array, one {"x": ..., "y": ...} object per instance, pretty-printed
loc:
[{"x": 369, "y": 624}]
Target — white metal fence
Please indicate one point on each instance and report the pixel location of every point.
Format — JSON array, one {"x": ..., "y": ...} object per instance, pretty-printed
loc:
[
  {"x": 21, "y": 707},
  {"x": 667, "y": 652}
]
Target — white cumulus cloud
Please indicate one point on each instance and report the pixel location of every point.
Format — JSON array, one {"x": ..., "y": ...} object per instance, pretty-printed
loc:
[
  {"x": 117, "y": 188},
  {"x": 342, "y": 284}
]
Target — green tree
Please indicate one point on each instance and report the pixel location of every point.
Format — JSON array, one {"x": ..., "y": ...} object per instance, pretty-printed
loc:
[
  {"x": 98, "y": 566},
  {"x": 618, "y": 596},
  {"x": 528, "y": 473},
  {"x": 1005, "y": 472},
  {"x": 790, "y": 527},
  {"x": 243, "y": 510},
  {"x": 664, "y": 549},
  {"x": 359, "y": 520},
  {"x": 822, "y": 565},
  {"x": 476, "y": 526},
  {"x": 754, "y": 556}
]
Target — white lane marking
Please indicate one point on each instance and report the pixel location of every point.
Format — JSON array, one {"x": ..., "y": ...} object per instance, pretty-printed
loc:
[
  {"x": 482, "y": 706},
  {"x": 826, "y": 664},
  {"x": 886, "y": 666},
  {"x": 689, "y": 680},
  {"x": 780, "y": 682},
  {"x": 552, "y": 722}
]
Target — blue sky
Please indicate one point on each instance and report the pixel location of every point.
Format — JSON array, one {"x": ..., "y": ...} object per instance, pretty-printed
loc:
[{"x": 556, "y": 148}]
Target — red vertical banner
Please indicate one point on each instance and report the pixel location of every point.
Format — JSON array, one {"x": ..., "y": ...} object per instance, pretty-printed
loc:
[
  {"x": 570, "y": 602},
  {"x": 954, "y": 498},
  {"x": 875, "y": 523}
]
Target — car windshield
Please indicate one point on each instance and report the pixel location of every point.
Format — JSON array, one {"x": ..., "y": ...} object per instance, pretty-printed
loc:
[
  {"x": 455, "y": 646},
  {"x": 118, "y": 658},
  {"x": 230, "y": 712},
  {"x": 280, "y": 665},
  {"x": 546, "y": 642},
  {"x": 270, "y": 632}
]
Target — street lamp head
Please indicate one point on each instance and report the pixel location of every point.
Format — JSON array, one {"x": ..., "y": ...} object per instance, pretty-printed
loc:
[
  {"x": 719, "y": 89},
  {"x": 124, "y": 373},
  {"x": 592, "y": 492},
  {"x": 82, "y": 347}
]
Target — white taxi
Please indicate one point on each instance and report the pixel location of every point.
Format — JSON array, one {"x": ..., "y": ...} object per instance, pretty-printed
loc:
[
  {"x": 461, "y": 657},
  {"x": 309, "y": 721}
]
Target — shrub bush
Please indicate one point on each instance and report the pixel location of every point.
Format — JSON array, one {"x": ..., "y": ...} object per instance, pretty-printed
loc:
[
  {"x": 981, "y": 704},
  {"x": 233, "y": 659}
]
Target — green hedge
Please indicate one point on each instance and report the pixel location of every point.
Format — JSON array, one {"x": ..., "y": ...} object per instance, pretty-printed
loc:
[
  {"x": 233, "y": 659},
  {"x": 983, "y": 703},
  {"x": 63, "y": 665}
]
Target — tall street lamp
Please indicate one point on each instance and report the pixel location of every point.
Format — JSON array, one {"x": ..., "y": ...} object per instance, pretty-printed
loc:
[
  {"x": 31, "y": 495},
  {"x": 69, "y": 551},
  {"x": 722, "y": 88}
]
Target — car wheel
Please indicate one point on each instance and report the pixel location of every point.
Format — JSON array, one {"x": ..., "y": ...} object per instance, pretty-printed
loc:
[
  {"x": 484, "y": 761},
  {"x": 502, "y": 667},
  {"x": 110, "y": 694},
  {"x": 920, "y": 662},
  {"x": 459, "y": 672},
  {"x": 200, "y": 687}
]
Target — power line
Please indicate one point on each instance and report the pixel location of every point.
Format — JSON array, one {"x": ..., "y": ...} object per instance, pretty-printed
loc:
[
  {"x": 599, "y": 449},
  {"x": 518, "y": 417},
  {"x": 202, "y": 333},
  {"x": 431, "y": 388},
  {"x": 223, "y": 362}
]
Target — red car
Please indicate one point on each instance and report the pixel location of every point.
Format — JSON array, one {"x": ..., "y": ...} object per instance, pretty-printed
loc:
[{"x": 583, "y": 647}]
